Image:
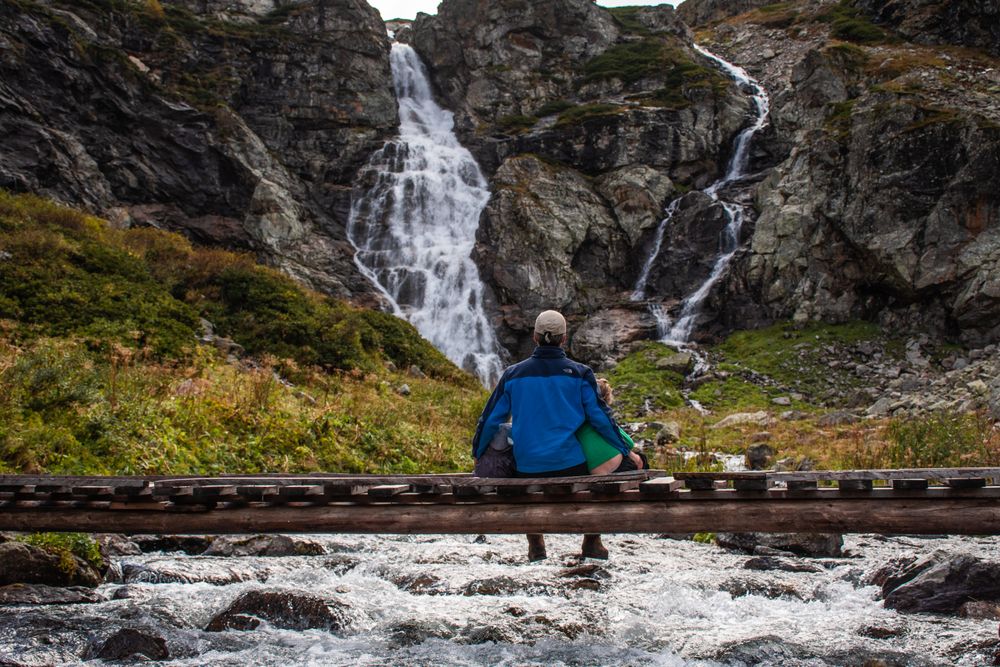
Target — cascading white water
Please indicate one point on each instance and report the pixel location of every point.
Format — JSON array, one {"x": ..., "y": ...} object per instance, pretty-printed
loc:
[
  {"x": 679, "y": 332},
  {"x": 415, "y": 228}
]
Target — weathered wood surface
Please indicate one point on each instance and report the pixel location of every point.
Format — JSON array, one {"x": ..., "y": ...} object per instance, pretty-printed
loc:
[
  {"x": 229, "y": 504},
  {"x": 954, "y": 515},
  {"x": 837, "y": 475}
]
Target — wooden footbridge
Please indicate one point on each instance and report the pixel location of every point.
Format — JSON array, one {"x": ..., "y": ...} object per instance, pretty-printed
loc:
[{"x": 927, "y": 501}]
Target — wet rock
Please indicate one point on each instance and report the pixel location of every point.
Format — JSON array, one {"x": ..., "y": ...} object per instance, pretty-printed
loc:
[
  {"x": 422, "y": 583},
  {"x": 26, "y": 564},
  {"x": 502, "y": 585},
  {"x": 191, "y": 571},
  {"x": 263, "y": 545},
  {"x": 416, "y": 631},
  {"x": 881, "y": 631},
  {"x": 813, "y": 545},
  {"x": 770, "y": 589},
  {"x": 585, "y": 583},
  {"x": 114, "y": 546},
  {"x": 592, "y": 570},
  {"x": 192, "y": 545},
  {"x": 741, "y": 418},
  {"x": 942, "y": 583},
  {"x": 766, "y": 563},
  {"x": 129, "y": 644},
  {"x": 281, "y": 609},
  {"x": 759, "y": 456},
  {"x": 890, "y": 570},
  {"x": 41, "y": 594},
  {"x": 980, "y": 610}
]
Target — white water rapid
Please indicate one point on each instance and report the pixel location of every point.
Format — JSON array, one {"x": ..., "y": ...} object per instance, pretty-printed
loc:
[
  {"x": 415, "y": 228},
  {"x": 679, "y": 331}
]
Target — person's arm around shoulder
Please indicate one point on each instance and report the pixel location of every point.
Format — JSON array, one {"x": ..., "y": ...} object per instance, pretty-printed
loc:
[
  {"x": 599, "y": 415},
  {"x": 496, "y": 412}
]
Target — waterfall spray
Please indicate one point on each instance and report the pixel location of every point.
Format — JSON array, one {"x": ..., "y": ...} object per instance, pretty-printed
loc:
[
  {"x": 415, "y": 228},
  {"x": 679, "y": 331}
]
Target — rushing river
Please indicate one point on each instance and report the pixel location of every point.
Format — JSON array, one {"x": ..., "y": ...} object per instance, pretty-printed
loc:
[{"x": 656, "y": 602}]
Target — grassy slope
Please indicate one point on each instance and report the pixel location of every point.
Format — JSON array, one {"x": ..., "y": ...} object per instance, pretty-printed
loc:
[
  {"x": 754, "y": 367},
  {"x": 101, "y": 371}
]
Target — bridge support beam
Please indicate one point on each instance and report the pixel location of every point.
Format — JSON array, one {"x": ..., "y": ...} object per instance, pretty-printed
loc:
[{"x": 934, "y": 515}]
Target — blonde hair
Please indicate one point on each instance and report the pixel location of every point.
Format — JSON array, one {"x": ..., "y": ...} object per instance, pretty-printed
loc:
[{"x": 604, "y": 391}]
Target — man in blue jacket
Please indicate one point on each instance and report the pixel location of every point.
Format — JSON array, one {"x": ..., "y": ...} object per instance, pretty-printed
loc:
[{"x": 549, "y": 397}]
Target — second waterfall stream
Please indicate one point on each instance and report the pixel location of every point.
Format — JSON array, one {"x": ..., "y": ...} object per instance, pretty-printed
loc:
[{"x": 415, "y": 228}]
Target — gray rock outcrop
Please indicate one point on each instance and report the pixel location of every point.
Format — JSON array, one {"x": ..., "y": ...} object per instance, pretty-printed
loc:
[
  {"x": 246, "y": 135},
  {"x": 282, "y": 609},
  {"x": 942, "y": 583},
  {"x": 26, "y": 564}
]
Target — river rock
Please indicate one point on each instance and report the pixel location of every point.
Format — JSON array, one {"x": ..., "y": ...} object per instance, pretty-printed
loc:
[
  {"x": 783, "y": 564},
  {"x": 282, "y": 609},
  {"x": 192, "y": 545},
  {"x": 263, "y": 545},
  {"x": 26, "y": 564},
  {"x": 942, "y": 583},
  {"x": 114, "y": 546},
  {"x": 191, "y": 571},
  {"x": 42, "y": 594},
  {"x": 132, "y": 644},
  {"x": 813, "y": 545},
  {"x": 980, "y": 610},
  {"x": 741, "y": 587}
]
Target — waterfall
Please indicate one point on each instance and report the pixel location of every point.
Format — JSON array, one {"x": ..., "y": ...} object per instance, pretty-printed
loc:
[
  {"x": 680, "y": 331},
  {"x": 415, "y": 226}
]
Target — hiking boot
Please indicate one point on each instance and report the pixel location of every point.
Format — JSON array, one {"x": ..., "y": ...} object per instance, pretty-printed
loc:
[
  {"x": 536, "y": 547},
  {"x": 592, "y": 547}
]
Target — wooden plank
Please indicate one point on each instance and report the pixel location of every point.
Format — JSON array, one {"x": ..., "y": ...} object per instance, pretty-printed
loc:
[
  {"x": 854, "y": 484},
  {"x": 94, "y": 492},
  {"x": 616, "y": 487},
  {"x": 756, "y": 484},
  {"x": 909, "y": 484},
  {"x": 966, "y": 482},
  {"x": 801, "y": 486},
  {"x": 256, "y": 492},
  {"x": 660, "y": 486},
  {"x": 472, "y": 491},
  {"x": 943, "y": 515},
  {"x": 216, "y": 492},
  {"x": 387, "y": 490},
  {"x": 704, "y": 483},
  {"x": 887, "y": 474},
  {"x": 735, "y": 474}
]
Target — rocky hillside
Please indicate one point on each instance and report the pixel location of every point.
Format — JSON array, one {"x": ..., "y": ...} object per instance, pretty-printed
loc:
[
  {"x": 888, "y": 202},
  {"x": 588, "y": 121},
  {"x": 877, "y": 177},
  {"x": 239, "y": 123}
]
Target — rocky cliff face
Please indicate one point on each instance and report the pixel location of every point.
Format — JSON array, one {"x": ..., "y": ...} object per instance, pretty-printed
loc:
[
  {"x": 588, "y": 122},
  {"x": 888, "y": 205},
  {"x": 239, "y": 122}
]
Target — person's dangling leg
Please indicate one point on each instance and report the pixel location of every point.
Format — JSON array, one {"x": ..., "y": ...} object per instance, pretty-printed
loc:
[
  {"x": 536, "y": 547},
  {"x": 593, "y": 547}
]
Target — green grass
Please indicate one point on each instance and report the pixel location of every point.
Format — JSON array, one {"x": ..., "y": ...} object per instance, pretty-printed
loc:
[
  {"x": 628, "y": 62},
  {"x": 638, "y": 383},
  {"x": 850, "y": 24},
  {"x": 584, "y": 112},
  {"x": 70, "y": 275},
  {"x": 516, "y": 124},
  {"x": 553, "y": 107},
  {"x": 628, "y": 20},
  {"x": 67, "y": 545},
  {"x": 839, "y": 118}
]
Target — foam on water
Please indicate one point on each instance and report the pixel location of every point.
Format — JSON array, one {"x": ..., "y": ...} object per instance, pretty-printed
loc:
[{"x": 659, "y": 602}]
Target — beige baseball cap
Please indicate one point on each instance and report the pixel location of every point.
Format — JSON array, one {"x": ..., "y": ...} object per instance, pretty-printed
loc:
[{"x": 550, "y": 322}]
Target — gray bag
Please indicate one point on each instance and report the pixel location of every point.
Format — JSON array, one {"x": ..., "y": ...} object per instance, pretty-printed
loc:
[{"x": 498, "y": 459}]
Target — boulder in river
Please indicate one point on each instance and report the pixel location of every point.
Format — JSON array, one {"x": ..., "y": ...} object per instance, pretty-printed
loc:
[
  {"x": 813, "y": 545},
  {"x": 192, "y": 545},
  {"x": 942, "y": 583},
  {"x": 282, "y": 609},
  {"x": 263, "y": 545},
  {"x": 27, "y": 564},
  {"x": 42, "y": 594},
  {"x": 131, "y": 644},
  {"x": 759, "y": 456}
]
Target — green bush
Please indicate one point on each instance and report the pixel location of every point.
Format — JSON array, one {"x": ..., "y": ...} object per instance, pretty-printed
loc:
[
  {"x": 583, "y": 112},
  {"x": 941, "y": 440},
  {"x": 629, "y": 62},
  {"x": 553, "y": 107}
]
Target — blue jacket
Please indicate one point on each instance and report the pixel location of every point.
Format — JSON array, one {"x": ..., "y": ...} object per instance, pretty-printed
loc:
[{"x": 550, "y": 397}]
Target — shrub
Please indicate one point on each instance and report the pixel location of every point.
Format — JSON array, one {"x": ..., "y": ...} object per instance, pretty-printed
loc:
[
  {"x": 583, "y": 112},
  {"x": 942, "y": 440},
  {"x": 629, "y": 62},
  {"x": 850, "y": 24}
]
